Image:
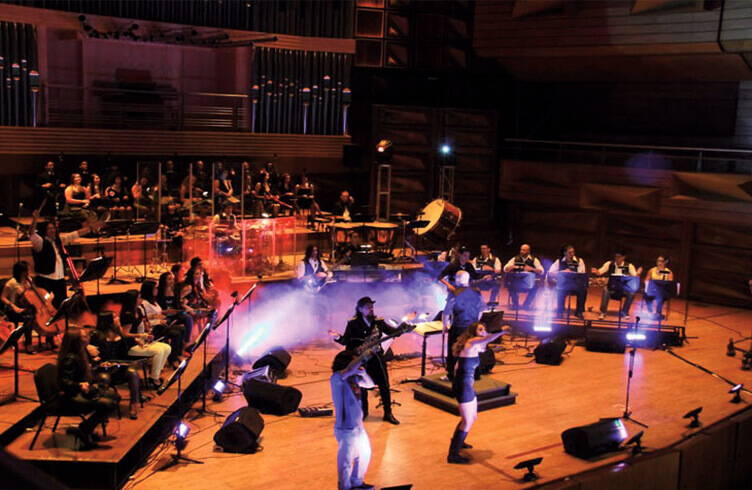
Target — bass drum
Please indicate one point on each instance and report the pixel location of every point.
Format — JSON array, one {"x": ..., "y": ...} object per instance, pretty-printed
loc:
[{"x": 443, "y": 218}]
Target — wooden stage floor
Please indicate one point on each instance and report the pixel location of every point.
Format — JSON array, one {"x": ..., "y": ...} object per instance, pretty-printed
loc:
[{"x": 301, "y": 453}]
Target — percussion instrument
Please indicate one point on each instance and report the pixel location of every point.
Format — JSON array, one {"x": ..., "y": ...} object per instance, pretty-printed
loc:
[
  {"x": 382, "y": 235},
  {"x": 341, "y": 232},
  {"x": 443, "y": 218}
]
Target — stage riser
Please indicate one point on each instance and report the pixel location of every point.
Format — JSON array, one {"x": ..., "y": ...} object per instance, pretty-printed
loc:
[
  {"x": 450, "y": 404},
  {"x": 109, "y": 474},
  {"x": 445, "y": 389}
]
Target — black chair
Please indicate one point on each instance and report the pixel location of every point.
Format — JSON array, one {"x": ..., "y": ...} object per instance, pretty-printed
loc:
[{"x": 48, "y": 391}]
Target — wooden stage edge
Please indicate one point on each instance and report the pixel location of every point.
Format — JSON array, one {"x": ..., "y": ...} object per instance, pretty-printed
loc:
[{"x": 128, "y": 442}]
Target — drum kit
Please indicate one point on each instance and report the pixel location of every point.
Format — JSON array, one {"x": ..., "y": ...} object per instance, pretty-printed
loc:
[{"x": 436, "y": 223}]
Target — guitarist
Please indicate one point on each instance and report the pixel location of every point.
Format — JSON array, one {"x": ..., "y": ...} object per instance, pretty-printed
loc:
[
  {"x": 462, "y": 263},
  {"x": 488, "y": 265},
  {"x": 48, "y": 258},
  {"x": 313, "y": 270},
  {"x": 359, "y": 329}
]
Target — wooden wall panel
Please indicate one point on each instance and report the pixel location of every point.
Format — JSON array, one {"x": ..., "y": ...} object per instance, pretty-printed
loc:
[{"x": 708, "y": 240}]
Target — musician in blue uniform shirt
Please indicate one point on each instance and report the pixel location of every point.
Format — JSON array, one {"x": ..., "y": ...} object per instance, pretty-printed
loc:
[
  {"x": 360, "y": 327},
  {"x": 464, "y": 307}
]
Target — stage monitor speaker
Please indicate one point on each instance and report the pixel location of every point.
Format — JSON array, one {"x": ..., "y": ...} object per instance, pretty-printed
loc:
[
  {"x": 605, "y": 340},
  {"x": 352, "y": 156},
  {"x": 277, "y": 359},
  {"x": 592, "y": 440},
  {"x": 549, "y": 351},
  {"x": 271, "y": 398},
  {"x": 240, "y": 432},
  {"x": 487, "y": 360}
]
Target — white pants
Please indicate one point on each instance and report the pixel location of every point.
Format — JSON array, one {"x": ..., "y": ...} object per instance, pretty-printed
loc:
[
  {"x": 353, "y": 457},
  {"x": 157, "y": 351}
]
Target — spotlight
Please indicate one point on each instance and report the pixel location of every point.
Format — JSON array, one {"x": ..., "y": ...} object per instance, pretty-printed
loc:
[
  {"x": 446, "y": 149},
  {"x": 219, "y": 389},
  {"x": 695, "y": 416},
  {"x": 181, "y": 433},
  {"x": 737, "y": 391},
  {"x": 529, "y": 465},
  {"x": 637, "y": 441},
  {"x": 384, "y": 150}
]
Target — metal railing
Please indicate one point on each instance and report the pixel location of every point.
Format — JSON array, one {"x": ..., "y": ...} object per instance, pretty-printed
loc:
[
  {"x": 120, "y": 108},
  {"x": 678, "y": 158}
]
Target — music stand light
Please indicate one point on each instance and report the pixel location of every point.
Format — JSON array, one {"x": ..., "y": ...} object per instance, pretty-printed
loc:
[
  {"x": 695, "y": 416},
  {"x": 529, "y": 465}
]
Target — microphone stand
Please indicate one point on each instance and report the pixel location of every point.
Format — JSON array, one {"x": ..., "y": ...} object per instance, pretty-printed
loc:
[{"x": 627, "y": 414}]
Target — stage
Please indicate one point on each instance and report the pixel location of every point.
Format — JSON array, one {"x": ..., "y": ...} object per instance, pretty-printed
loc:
[{"x": 586, "y": 386}]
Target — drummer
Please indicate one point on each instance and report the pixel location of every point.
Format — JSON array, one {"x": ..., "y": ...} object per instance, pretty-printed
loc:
[
  {"x": 226, "y": 218},
  {"x": 344, "y": 208},
  {"x": 524, "y": 262}
]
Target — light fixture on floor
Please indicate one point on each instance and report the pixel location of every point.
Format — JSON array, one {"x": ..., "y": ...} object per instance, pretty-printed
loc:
[
  {"x": 529, "y": 465},
  {"x": 695, "y": 416},
  {"x": 219, "y": 388},
  {"x": 737, "y": 391},
  {"x": 637, "y": 441}
]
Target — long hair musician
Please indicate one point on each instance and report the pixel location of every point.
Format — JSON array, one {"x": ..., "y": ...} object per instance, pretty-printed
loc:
[{"x": 362, "y": 327}]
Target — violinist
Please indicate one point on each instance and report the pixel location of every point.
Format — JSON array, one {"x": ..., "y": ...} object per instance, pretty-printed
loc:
[
  {"x": 47, "y": 250},
  {"x": 202, "y": 294},
  {"x": 16, "y": 309}
]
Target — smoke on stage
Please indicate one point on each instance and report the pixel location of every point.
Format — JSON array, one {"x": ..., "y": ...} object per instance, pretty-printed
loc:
[{"x": 287, "y": 316}]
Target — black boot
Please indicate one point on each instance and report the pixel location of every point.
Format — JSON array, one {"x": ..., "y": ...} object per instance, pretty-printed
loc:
[
  {"x": 389, "y": 417},
  {"x": 454, "y": 456}
]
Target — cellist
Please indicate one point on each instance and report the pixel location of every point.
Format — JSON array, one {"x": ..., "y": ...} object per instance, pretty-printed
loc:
[
  {"x": 18, "y": 311},
  {"x": 48, "y": 256}
]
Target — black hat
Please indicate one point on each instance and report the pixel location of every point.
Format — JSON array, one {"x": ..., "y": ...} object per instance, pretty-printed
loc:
[{"x": 364, "y": 301}]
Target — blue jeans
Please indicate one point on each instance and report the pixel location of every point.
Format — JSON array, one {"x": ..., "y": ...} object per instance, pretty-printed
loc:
[{"x": 353, "y": 457}]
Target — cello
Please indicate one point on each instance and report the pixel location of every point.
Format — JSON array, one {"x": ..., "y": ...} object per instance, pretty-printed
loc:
[{"x": 40, "y": 301}]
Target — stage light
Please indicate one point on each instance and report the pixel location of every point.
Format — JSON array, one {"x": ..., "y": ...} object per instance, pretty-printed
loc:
[
  {"x": 529, "y": 465},
  {"x": 737, "y": 391},
  {"x": 219, "y": 389},
  {"x": 633, "y": 336},
  {"x": 182, "y": 430},
  {"x": 446, "y": 149},
  {"x": 695, "y": 416},
  {"x": 637, "y": 441},
  {"x": 384, "y": 150}
]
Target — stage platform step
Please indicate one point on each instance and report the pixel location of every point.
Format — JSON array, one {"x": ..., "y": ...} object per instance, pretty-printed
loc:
[{"x": 491, "y": 393}]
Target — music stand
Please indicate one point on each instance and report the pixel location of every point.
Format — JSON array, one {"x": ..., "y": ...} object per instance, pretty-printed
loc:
[
  {"x": 144, "y": 228},
  {"x": 623, "y": 285},
  {"x": 65, "y": 307},
  {"x": 12, "y": 341},
  {"x": 519, "y": 282},
  {"x": 95, "y": 270},
  {"x": 202, "y": 340},
  {"x": 664, "y": 290},
  {"x": 570, "y": 283},
  {"x": 113, "y": 229}
]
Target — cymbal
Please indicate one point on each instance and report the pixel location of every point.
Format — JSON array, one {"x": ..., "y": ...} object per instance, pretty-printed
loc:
[{"x": 400, "y": 215}]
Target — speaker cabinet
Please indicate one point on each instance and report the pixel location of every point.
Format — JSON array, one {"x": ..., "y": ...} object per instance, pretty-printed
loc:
[
  {"x": 271, "y": 398},
  {"x": 549, "y": 352},
  {"x": 605, "y": 341},
  {"x": 277, "y": 359},
  {"x": 592, "y": 440},
  {"x": 240, "y": 432}
]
